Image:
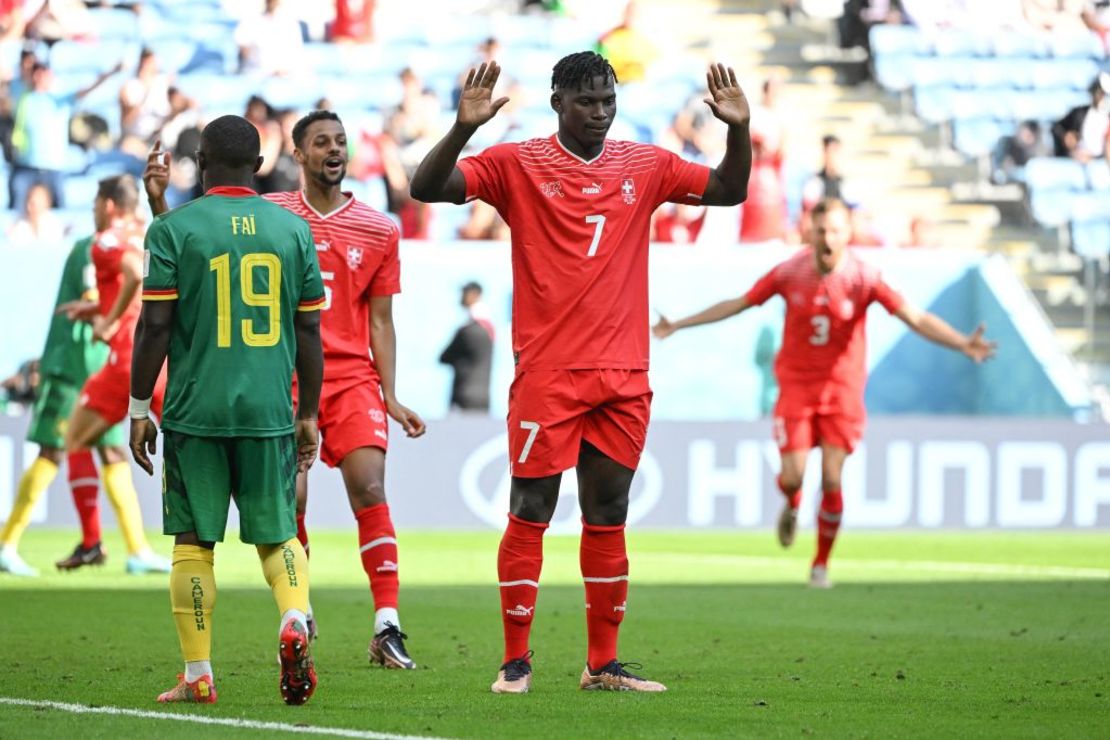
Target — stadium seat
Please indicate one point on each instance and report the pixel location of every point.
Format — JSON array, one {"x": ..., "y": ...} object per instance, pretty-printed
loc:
[
  {"x": 379, "y": 92},
  {"x": 895, "y": 72},
  {"x": 79, "y": 190},
  {"x": 1079, "y": 45},
  {"x": 175, "y": 54},
  {"x": 996, "y": 73},
  {"x": 951, "y": 71},
  {"x": 83, "y": 56},
  {"x": 114, "y": 23},
  {"x": 1051, "y": 207},
  {"x": 1054, "y": 74},
  {"x": 1091, "y": 239},
  {"x": 977, "y": 137},
  {"x": 1021, "y": 45},
  {"x": 889, "y": 39},
  {"x": 1098, "y": 175},
  {"x": 1055, "y": 173},
  {"x": 934, "y": 104},
  {"x": 957, "y": 43}
]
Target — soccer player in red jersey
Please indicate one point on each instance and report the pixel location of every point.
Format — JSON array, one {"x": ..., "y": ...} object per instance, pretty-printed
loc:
[
  {"x": 117, "y": 257},
  {"x": 579, "y": 207},
  {"x": 357, "y": 248},
  {"x": 821, "y": 368}
]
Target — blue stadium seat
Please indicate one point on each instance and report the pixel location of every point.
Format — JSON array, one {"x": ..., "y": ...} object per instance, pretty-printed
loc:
[
  {"x": 1068, "y": 74},
  {"x": 1079, "y": 46},
  {"x": 289, "y": 92},
  {"x": 1021, "y": 45},
  {"x": 78, "y": 215},
  {"x": 1098, "y": 175},
  {"x": 175, "y": 54},
  {"x": 934, "y": 104},
  {"x": 956, "y": 43},
  {"x": 1091, "y": 239},
  {"x": 996, "y": 73},
  {"x": 380, "y": 92},
  {"x": 1051, "y": 207},
  {"x": 79, "y": 191},
  {"x": 895, "y": 72},
  {"x": 522, "y": 31},
  {"x": 977, "y": 137},
  {"x": 83, "y": 56},
  {"x": 114, "y": 23},
  {"x": 888, "y": 39},
  {"x": 218, "y": 93},
  {"x": 1055, "y": 173},
  {"x": 950, "y": 71}
]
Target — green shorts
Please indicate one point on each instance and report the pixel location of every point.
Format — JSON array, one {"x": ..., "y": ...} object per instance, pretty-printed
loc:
[
  {"x": 50, "y": 415},
  {"x": 201, "y": 475}
]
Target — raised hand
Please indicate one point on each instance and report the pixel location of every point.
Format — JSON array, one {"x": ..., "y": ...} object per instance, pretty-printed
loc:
[
  {"x": 156, "y": 175},
  {"x": 726, "y": 98},
  {"x": 663, "y": 328},
  {"x": 476, "y": 104},
  {"x": 979, "y": 348}
]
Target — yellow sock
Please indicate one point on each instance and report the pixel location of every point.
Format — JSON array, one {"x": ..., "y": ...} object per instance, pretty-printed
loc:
[
  {"x": 193, "y": 596},
  {"x": 286, "y": 569},
  {"x": 36, "y": 479},
  {"x": 125, "y": 500}
]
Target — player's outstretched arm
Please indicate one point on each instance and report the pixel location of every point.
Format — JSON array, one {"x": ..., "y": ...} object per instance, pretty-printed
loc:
[
  {"x": 717, "y": 312},
  {"x": 437, "y": 179},
  {"x": 728, "y": 184},
  {"x": 152, "y": 343},
  {"x": 932, "y": 327},
  {"x": 156, "y": 178},
  {"x": 310, "y": 376},
  {"x": 383, "y": 344}
]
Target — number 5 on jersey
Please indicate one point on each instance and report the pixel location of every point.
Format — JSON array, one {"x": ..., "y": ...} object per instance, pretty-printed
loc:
[{"x": 270, "y": 299}]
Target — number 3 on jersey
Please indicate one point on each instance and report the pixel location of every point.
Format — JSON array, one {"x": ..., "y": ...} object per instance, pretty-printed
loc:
[
  {"x": 270, "y": 299},
  {"x": 820, "y": 336},
  {"x": 599, "y": 225}
]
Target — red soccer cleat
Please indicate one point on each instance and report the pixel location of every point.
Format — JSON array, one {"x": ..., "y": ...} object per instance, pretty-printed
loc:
[
  {"x": 201, "y": 691},
  {"x": 298, "y": 675}
]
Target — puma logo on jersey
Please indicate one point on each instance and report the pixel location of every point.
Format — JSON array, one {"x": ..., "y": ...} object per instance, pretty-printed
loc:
[
  {"x": 387, "y": 566},
  {"x": 323, "y": 246},
  {"x": 592, "y": 189},
  {"x": 553, "y": 189}
]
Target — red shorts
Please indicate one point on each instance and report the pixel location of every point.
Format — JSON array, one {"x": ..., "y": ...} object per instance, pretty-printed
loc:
[
  {"x": 352, "y": 415},
  {"x": 806, "y": 417},
  {"x": 108, "y": 390},
  {"x": 552, "y": 411}
]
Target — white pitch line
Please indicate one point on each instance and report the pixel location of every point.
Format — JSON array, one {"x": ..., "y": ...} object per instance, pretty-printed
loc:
[
  {"x": 245, "y": 724},
  {"x": 924, "y": 566}
]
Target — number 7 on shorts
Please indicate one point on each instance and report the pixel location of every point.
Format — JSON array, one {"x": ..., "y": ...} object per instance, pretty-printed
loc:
[{"x": 533, "y": 428}]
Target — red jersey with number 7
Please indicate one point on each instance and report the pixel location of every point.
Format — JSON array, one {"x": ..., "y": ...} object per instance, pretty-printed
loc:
[
  {"x": 357, "y": 248},
  {"x": 580, "y": 244},
  {"x": 824, "y": 342}
]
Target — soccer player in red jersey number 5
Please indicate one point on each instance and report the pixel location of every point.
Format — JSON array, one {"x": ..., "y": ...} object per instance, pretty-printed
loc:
[
  {"x": 821, "y": 368},
  {"x": 579, "y": 207}
]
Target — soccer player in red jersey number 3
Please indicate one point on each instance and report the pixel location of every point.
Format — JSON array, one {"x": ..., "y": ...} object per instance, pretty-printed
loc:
[
  {"x": 579, "y": 207},
  {"x": 821, "y": 368}
]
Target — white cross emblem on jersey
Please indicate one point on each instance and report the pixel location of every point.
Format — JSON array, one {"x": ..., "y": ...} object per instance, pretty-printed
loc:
[
  {"x": 628, "y": 190},
  {"x": 354, "y": 257}
]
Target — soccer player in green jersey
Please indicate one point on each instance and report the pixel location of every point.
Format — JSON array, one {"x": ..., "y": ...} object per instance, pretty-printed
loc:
[{"x": 231, "y": 295}]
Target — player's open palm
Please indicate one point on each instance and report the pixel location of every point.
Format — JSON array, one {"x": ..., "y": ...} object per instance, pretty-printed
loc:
[
  {"x": 979, "y": 348},
  {"x": 726, "y": 97},
  {"x": 409, "y": 420},
  {"x": 144, "y": 443},
  {"x": 156, "y": 175},
  {"x": 476, "y": 103},
  {"x": 307, "y": 437},
  {"x": 663, "y": 328}
]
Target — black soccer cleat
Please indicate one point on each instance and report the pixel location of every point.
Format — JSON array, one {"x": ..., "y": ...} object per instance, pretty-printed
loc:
[
  {"x": 388, "y": 649},
  {"x": 515, "y": 677},
  {"x": 81, "y": 556}
]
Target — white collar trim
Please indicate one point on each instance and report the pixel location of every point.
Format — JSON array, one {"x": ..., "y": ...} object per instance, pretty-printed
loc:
[
  {"x": 572, "y": 154},
  {"x": 325, "y": 216}
]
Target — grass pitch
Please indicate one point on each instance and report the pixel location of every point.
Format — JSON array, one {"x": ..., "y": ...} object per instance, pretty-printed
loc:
[{"x": 924, "y": 635}]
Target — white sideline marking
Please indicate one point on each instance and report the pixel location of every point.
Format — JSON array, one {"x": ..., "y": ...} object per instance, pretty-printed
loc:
[
  {"x": 924, "y": 566},
  {"x": 246, "y": 724}
]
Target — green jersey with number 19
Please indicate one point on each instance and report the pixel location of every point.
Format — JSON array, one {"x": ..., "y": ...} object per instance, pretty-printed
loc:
[{"x": 239, "y": 268}]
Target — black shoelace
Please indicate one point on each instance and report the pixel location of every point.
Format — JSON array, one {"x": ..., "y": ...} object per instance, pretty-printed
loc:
[
  {"x": 518, "y": 668},
  {"x": 392, "y": 629},
  {"x": 618, "y": 669}
]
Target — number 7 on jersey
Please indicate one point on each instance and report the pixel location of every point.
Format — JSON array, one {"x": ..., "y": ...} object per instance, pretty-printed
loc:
[{"x": 599, "y": 225}]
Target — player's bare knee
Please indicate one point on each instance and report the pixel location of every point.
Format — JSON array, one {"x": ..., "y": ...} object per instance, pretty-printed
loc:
[
  {"x": 367, "y": 494},
  {"x": 605, "y": 513},
  {"x": 53, "y": 454},
  {"x": 790, "y": 482},
  {"x": 534, "y": 499}
]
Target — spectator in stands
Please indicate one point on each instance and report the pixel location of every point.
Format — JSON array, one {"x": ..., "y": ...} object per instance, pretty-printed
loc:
[
  {"x": 769, "y": 117},
  {"x": 144, "y": 102},
  {"x": 58, "y": 20},
  {"x": 1082, "y": 134},
  {"x": 7, "y": 123},
  {"x": 41, "y": 135},
  {"x": 677, "y": 223},
  {"x": 271, "y": 43},
  {"x": 629, "y": 50},
  {"x": 13, "y": 22},
  {"x": 763, "y": 215},
  {"x": 485, "y": 223},
  {"x": 38, "y": 224},
  {"x": 412, "y": 127},
  {"x": 829, "y": 180},
  {"x": 260, "y": 114},
  {"x": 1013, "y": 152},
  {"x": 354, "y": 23},
  {"x": 470, "y": 354},
  {"x": 1059, "y": 16},
  {"x": 854, "y": 25},
  {"x": 1096, "y": 14},
  {"x": 488, "y": 51},
  {"x": 285, "y": 173},
  {"x": 183, "y": 114},
  {"x": 922, "y": 233},
  {"x": 22, "y": 83}
]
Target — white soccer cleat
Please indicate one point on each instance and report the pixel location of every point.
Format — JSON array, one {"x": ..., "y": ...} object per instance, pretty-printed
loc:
[
  {"x": 10, "y": 562},
  {"x": 145, "y": 562},
  {"x": 819, "y": 577}
]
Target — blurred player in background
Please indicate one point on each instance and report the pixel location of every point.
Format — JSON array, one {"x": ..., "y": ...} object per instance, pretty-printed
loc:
[
  {"x": 821, "y": 368},
  {"x": 579, "y": 207},
  {"x": 231, "y": 295},
  {"x": 112, "y": 307},
  {"x": 357, "y": 251}
]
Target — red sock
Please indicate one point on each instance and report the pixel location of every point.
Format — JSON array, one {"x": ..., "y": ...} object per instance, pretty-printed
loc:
[
  {"x": 828, "y": 522},
  {"x": 795, "y": 497},
  {"x": 302, "y": 533},
  {"x": 604, "y": 561},
  {"x": 519, "y": 560},
  {"x": 378, "y": 545},
  {"x": 85, "y": 486}
]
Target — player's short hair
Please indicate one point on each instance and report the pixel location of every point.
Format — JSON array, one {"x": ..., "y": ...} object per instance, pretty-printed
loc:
[
  {"x": 472, "y": 287},
  {"x": 828, "y": 205},
  {"x": 300, "y": 128},
  {"x": 121, "y": 190},
  {"x": 575, "y": 70},
  {"x": 828, "y": 140},
  {"x": 231, "y": 141}
]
